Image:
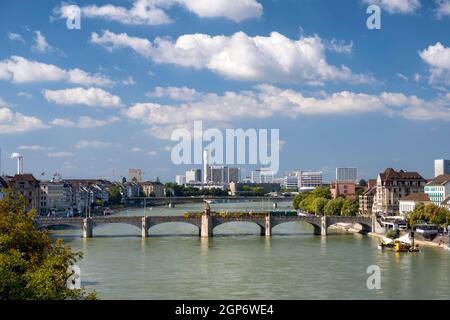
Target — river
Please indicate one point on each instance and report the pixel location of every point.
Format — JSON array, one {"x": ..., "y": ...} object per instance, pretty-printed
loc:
[{"x": 237, "y": 263}]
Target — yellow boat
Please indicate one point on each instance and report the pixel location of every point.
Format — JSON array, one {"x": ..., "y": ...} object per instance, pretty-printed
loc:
[{"x": 402, "y": 244}]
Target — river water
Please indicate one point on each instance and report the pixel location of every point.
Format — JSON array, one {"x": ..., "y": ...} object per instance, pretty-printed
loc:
[{"x": 237, "y": 263}]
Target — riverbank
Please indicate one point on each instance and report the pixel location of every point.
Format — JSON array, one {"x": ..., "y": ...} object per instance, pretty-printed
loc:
[{"x": 436, "y": 243}]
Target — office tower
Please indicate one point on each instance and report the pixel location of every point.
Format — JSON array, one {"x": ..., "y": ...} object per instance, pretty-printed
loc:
[
  {"x": 346, "y": 174},
  {"x": 193, "y": 175},
  {"x": 441, "y": 166},
  {"x": 134, "y": 175},
  {"x": 206, "y": 173}
]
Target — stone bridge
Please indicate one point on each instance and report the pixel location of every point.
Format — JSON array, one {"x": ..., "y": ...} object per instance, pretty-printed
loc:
[{"x": 206, "y": 222}]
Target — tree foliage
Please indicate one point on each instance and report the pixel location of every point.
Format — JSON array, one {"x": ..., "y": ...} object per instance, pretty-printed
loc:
[
  {"x": 429, "y": 213},
  {"x": 32, "y": 266},
  {"x": 115, "y": 197},
  {"x": 320, "y": 202}
]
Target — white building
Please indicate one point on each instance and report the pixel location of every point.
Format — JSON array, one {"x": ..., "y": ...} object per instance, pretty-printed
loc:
[
  {"x": 439, "y": 189},
  {"x": 346, "y": 174},
  {"x": 290, "y": 181},
  {"x": 263, "y": 175},
  {"x": 309, "y": 180},
  {"x": 441, "y": 167},
  {"x": 180, "y": 179},
  {"x": 193, "y": 176},
  {"x": 55, "y": 196},
  {"x": 409, "y": 203},
  {"x": 392, "y": 186},
  {"x": 206, "y": 177}
]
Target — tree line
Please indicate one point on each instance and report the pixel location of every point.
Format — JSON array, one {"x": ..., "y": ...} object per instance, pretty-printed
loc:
[{"x": 320, "y": 202}]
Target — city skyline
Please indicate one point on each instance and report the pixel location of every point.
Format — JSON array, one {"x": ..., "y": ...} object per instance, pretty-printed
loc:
[{"x": 103, "y": 99}]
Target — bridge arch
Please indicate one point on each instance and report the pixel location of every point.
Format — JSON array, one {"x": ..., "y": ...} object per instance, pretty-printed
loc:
[
  {"x": 314, "y": 224},
  {"x": 366, "y": 226},
  {"x": 153, "y": 224},
  {"x": 260, "y": 224}
]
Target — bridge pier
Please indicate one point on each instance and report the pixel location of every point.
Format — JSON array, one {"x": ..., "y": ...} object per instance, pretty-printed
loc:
[
  {"x": 144, "y": 227},
  {"x": 324, "y": 226},
  {"x": 268, "y": 226},
  {"x": 206, "y": 227},
  {"x": 87, "y": 227}
]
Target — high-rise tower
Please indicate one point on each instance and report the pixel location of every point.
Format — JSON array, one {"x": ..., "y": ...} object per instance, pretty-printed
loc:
[{"x": 206, "y": 177}]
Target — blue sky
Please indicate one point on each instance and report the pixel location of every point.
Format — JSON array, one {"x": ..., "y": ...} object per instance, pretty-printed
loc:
[{"x": 82, "y": 102}]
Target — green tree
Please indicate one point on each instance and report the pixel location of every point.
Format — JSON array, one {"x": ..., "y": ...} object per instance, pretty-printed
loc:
[
  {"x": 362, "y": 183},
  {"x": 319, "y": 205},
  {"x": 322, "y": 192},
  {"x": 124, "y": 180},
  {"x": 32, "y": 267},
  {"x": 333, "y": 207},
  {"x": 299, "y": 198},
  {"x": 350, "y": 207},
  {"x": 115, "y": 197}
]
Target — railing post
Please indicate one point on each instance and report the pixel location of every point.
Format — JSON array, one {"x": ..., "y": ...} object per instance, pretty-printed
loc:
[
  {"x": 324, "y": 225},
  {"x": 87, "y": 228}
]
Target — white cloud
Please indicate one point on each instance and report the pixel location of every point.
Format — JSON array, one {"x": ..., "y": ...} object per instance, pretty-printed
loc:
[
  {"x": 128, "y": 81},
  {"x": 83, "y": 144},
  {"x": 438, "y": 58},
  {"x": 84, "y": 122},
  {"x": 60, "y": 154},
  {"x": 136, "y": 149},
  {"x": 236, "y": 10},
  {"x": 174, "y": 93},
  {"x": 152, "y": 12},
  {"x": 32, "y": 147},
  {"x": 92, "y": 97},
  {"x": 40, "y": 43},
  {"x": 340, "y": 46},
  {"x": 239, "y": 56},
  {"x": 20, "y": 70},
  {"x": 15, "y": 37},
  {"x": 402, "y": 76},
  {"x": 15, "y": 122},
  {"x": 443, "y": 8},
  {"x": 24, "y": 94},
  {"x": 396, "y": 6},
  {"x": 112, "y": 41},
  {"x": 267, "y": 101}
]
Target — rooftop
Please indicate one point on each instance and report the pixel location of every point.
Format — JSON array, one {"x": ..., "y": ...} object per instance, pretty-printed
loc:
[
  {"x": 390, "y": 174},
  {"x": 419, "y": 197},
  {"x": 439, "y": 180}
]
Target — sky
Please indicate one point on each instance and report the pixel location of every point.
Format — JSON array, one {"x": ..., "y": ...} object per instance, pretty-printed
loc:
[{"x": 95, "y": 101}]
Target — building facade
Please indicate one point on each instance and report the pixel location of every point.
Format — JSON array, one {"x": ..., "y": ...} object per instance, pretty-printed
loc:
[
  {"x": 438, "y": 189},
  {"x": 180, "y": 179},
  {"x": 309, "y": 180},
  {"x": 366, "y": 200},
  {"x": 409, "y": 203},
  {"x": 55, "y": 196},
  {"x": 28, "y": 186},
  {"x": 135, "y": 175},
  {"x": 263, "y": 175},
  {"x": 441, "y": 166},
  {"x": 346, "y": 174},
  {"x": 392, "y": 186},
  {"x": 153, "y": 189},
  {"x": 193, "y": 176},
  {"x": 343, "y": 188},
  {"x": 234, "y": 174}
]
